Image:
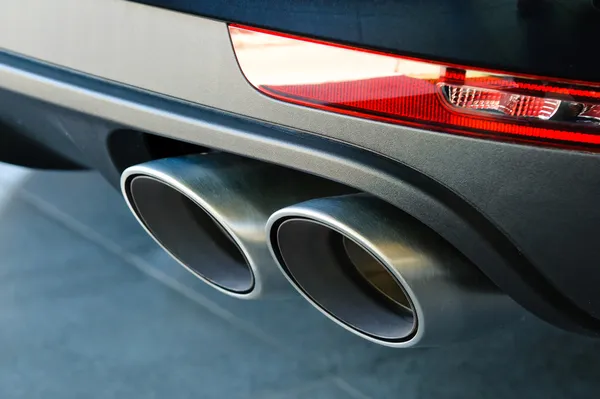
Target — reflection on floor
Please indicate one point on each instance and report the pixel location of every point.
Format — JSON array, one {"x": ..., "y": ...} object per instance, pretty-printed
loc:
[{"x": 91, "y": 307}]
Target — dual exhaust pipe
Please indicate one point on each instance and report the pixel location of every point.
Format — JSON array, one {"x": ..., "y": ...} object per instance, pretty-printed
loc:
[{"x": 238, "y": 223}]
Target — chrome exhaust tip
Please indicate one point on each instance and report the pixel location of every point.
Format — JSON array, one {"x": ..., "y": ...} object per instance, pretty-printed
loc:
[
  {"x": 209, "y": 212},
  {"x": 383, "y": 275}
]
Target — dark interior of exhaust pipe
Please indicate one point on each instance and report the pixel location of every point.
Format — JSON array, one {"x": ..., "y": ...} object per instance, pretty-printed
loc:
[
  {"x": 345, "y": 279},
  {"x": 367, "y": 269},
  {"x": 190, "y": 234}
]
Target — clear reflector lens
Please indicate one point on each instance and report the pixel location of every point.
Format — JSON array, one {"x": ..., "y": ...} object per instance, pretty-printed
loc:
[
  {"x": 497, "y": 102},
  {"x": 417, "y": 93}
]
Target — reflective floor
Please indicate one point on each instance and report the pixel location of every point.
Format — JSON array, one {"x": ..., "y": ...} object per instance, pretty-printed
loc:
[{"x": 91, "y": 308}]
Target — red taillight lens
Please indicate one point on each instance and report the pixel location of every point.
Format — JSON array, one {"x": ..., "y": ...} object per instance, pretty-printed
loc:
[{"x": 417, "y": 93}]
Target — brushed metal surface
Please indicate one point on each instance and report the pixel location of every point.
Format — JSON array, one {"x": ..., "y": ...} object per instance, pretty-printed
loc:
[
  {"x": 239, "y": 194},
  {"x": 450, "y": 298}
]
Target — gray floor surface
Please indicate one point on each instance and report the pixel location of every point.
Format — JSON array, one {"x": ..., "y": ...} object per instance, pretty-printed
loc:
[{"x": 90, "y": 307}]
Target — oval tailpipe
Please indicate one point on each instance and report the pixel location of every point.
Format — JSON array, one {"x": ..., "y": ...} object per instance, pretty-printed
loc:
[
  {"x": 383, "y": 275},
  {"x": 209, "y": 212}
]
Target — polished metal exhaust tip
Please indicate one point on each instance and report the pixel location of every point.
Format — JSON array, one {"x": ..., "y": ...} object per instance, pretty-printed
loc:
[
  {"x": 209, "y": 212},
  {"x": 383, "y": 275}
]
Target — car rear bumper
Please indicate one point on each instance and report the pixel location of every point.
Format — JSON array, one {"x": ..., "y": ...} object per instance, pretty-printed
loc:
[{"x": 526, "y": 216}]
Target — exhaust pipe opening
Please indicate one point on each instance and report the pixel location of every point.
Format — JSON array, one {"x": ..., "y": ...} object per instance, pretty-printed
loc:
[
  {"x": 209, "y": 212},
  {"x": 189, "y": 232},
  {"x": 383, "y": 275},
  {"x": 373, "y": 276},
  {"x": 352, "y": 284}
]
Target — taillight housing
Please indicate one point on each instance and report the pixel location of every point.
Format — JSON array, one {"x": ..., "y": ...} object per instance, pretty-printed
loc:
[{"x": 420, "y": 93}]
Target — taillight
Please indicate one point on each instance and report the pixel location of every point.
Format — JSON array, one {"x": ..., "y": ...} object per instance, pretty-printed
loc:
[{"x": 419, "y": 93}]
